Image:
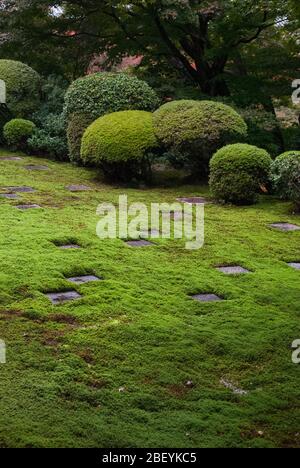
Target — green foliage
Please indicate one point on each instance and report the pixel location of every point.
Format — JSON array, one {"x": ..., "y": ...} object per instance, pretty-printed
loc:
[
  {"x": 23, "y": 87},
  {"x": 263, "y": 129},
  {"x": 196, "y": 129},
  {"x": 17, "y": 131},
  {"x": 5, "y": 116},
  {"x": 50, "y": 140},
  {"x": 285, "y": 176},
  {"x": 78, "y": 123},
  {"x": 291, "y": 137},
  {"x": 119, "y": 143},
  {"x": 238, "y": 172},
  {"x": 102, "y": 93}
]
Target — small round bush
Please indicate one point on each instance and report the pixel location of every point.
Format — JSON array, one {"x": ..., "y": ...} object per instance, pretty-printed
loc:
[
  {"x": 78, "y": 123},
  {"x": 238, "y": 172},
  {"x": 285, "y": 176},
  {"x": 17, "y": 132},
  {"x": 23, "y": 86},
  {"x": 197, "y": 129},
  {"x": 103, "y": 93},
  {"x": 119, "y": 143}
]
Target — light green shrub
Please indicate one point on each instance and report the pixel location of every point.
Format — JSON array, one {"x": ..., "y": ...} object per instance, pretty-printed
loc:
[{"x": 17, "y": 132}]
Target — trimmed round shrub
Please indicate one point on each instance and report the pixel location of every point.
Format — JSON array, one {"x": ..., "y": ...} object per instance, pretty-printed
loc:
[
  {"x": 103, "y": 93},
  {"x": 120, "y": 143},
  {"x": 23, "y": 86},
  {"x": 17, "y": 132},
  {"x": 238, "y": 173},
  {"x": 285, "y": 176},
  {"x": 77, "y": 125},
  {"x": 196, "y": 129}
]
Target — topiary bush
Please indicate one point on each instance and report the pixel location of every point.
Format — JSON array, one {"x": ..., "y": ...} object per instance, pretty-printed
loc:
[
  {"x": 120, "y": 143},
  {"x": 196, "y": 129},
  {"x": 238, "y": 173},
  {"x": 17, "y": 132},
  {"x": 23, "y": 86},
  {"x": 285, "y": 176},
  {"x": 103, "y": 93},
  {"x": 77, "y": 125}
]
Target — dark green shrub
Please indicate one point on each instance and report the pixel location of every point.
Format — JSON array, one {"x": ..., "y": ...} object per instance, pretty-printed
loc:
[
  {"x": 119, "y": 144},
  {"x": 5, "y": 116},
  {"x": 102, "y": 93},
  {"x": 285, "y": 176},
  {"x": 196, "y": 129},
  {"x": 17, "y": 132},
  {"x": 23, "y": 86},
  {"x": 77, "y": 125},
  {"x": 50, "y": 140},
  {"x": 238, "y": 172},
  {"x": 291, "y": 137}
]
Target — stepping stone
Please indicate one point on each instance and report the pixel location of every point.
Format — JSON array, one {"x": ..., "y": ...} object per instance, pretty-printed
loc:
[
  {"x": 28, "y": 207},
  {"x": 139, "y": 243},
  {"x": 78, "y": 188},
  {"x": 32, "y": 167},
  {"x": 294, "y": 265},
  {"x": 285, "y": 226},
  {"x": 69, "y": 246},
  {"x": 20, "y": 189},
  {"x": 207, "y": 298},
  {"x": 60, "y": 298},
  {"x": 193, "y": 200},
  {"x": 10, "y": 196},
  {"x": 83, "y": 279},
  {"x": 232, "y": 387},
  {"x": 233, "y": 270},
  {"x": 11, "y": 158}
]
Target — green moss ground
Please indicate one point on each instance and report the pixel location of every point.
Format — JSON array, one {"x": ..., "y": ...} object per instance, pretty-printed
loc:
[{"x": 139, "y": 328}]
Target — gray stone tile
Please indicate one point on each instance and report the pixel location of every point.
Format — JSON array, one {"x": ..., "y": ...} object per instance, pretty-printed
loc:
[
  {"x": 20, "y": 189},
  {"x": 139, "y": 243},
  {"x": 285, "y": 227},
  {"x": 78, "y": 188},
  {"x": 83, "y": 279},
  {"x": 11, "y": 158},
  {"x": 207, "y": 298},
  {"x": 32, "y": 167},
  {"x": 69, "y": 246},
  {"x": 233, "y": 270},
  {"x": 61, "y": 297},
  {"x": 28, "y": 207},
  {"x": 295, "y": 265},
  {"x": 193, "y": 200},
  {"x": 9, "y": 196}
]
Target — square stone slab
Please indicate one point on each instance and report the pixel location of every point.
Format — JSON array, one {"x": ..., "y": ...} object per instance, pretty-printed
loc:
[
  {"x": 11, "y": 158},
  {"x": 295, "y": 265},
  {"x": 207, "y": 298},
  {"x": 233, "y": 270},
  {"x": 83, "y": 279},
  {"x": 32, "y": 167},
  {"x": 193, "y": 200},
  {"x": 78, "y": 188},
  {"x": 20, "y": 189},
  {"x": 10, "y": 196},
  {"x": 60, "y": 298},
  {"x": 69, "y": 246},
  {"x": 139, "y": 243},
  {"x": 28, "y": 207},
  {"x": 285, "y": 227}
]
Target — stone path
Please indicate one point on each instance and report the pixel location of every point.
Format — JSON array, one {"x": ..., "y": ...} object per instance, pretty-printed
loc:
[
  {"x": 11, "y": 158},
  {"x": 295, "y": 265},
  {"x": 83, "y": 279},
  {"x": 285, "y": 227},
  {"x": 28, "y": 207},
  {"x": 20, "y": 189},
  {"x": 10, "y": 196},
  {"x": 207, "y": 298},
  {"x": 61, "y": 297},
  {"x": 32, "y": 167},
  {"x": 193, "y": 200},
  {"x": 78, "y": 188},
  {"x": 233, "y": 270},
  {"x": 139, "y": 243},
  {"x": 69, "y": 246}
]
